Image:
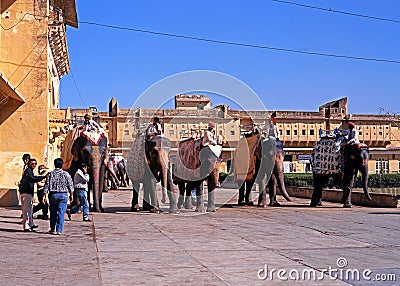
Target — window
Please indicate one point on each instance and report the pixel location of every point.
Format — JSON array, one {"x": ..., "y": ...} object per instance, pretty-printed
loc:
[
  {"x": 171, "y": 132},
  {"x": 380, "y": 133},
  {"x": 312, "y": 132},
  {"x": 232, "y": 132},
  {"x": 126, "y": 132},
  {"x": 303, "y": 132},
  {"x": 360, "y": 133},
  {"x": 288, "y": 132},
  {"x": 295, "y": 132},
  {"x": 382, "y": 166}
]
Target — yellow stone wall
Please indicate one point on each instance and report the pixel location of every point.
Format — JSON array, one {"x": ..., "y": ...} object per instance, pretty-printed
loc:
[{"x": 26, "y": 61}]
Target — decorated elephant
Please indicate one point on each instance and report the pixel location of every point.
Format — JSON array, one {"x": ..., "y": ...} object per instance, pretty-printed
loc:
[
  {"x": 330, "y": 159},
  {"x": 88, "y": 147},
  {"x": 147, "y": 164},
  {"x": 193, "y": 165},
  {"x": 260, "y": 160}
]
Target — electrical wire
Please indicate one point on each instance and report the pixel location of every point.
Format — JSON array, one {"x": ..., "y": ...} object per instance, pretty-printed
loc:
[
  {"x": 338, "y": 11},
  {"x": 77, "y": 89},
  {"x": 240, "y": 44}
]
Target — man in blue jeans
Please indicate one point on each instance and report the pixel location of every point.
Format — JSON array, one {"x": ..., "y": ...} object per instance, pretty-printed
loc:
[
  {"x": 81, "y": 180},
  {"x": 58, "y": 185}
]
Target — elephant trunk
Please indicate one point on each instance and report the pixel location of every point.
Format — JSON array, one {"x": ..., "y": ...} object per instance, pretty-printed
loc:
[
  {"x": 278, "y": 172},
  {"x": 96, "y": 186},
  {"x": 364, "y": 181}
]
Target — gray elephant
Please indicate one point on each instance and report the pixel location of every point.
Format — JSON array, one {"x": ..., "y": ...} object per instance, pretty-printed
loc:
[
  {"x": 260, "y": 160},
  {"x": 329, "y": 160},
  {"x": 90, "y": 148},
  {"x": 194, "y": 165},
  {"x": 147, "y": 164}
]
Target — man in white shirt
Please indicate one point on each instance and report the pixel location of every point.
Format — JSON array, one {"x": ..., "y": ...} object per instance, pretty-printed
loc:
[
  {"x": 208, "y": 138},
  {"x": 154, "y": 130},
  {"x": 352, "y": 137},
  {"x": 90, "y": 125}
]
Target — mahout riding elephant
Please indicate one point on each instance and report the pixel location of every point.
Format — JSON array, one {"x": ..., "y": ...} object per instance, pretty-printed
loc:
[
  {"x": 327, "y": 160},
  {"x": 260, "y": 160},
  {"x": 193, "y": 165},
  {"x": 90, "y": 148},
  {"x": 147, "y": 165}
]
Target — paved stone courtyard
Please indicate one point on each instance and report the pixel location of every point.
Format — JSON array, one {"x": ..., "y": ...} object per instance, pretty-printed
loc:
[{"x": 234, "y": 246}]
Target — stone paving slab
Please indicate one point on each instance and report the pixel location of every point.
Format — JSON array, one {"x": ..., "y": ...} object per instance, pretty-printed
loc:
[{"x": 228, "y": 247}]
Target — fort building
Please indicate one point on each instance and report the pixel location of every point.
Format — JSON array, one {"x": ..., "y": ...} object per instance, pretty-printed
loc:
[
  {"x": 299, "y": 130},
  {"x": 33, "y": 59}
]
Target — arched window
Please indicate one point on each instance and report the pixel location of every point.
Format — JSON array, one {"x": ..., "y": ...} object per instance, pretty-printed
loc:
[{"x": 382, "y": 166}]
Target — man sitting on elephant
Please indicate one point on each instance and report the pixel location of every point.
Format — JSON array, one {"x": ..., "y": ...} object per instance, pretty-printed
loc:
[
  {"x": 90, "y": 125},
  {"x": 206, "y": 150},
  {"x": 349, "y": 145}
]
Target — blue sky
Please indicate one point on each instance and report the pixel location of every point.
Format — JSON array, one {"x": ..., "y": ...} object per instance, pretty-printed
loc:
[{"x": 123, "y": 64}]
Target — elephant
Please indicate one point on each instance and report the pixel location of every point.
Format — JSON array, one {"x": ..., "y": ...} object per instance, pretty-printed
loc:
[
  {"x": 148, "y": 162},
  {"x": 195, "y": 164},
  {"x": 111, "y": 177},
  {"x": 327, "y": 159},
  {"x": 90, "y": 148},
  {"x": 260, "y": 160},
  {"x": 121, "y": 174}
]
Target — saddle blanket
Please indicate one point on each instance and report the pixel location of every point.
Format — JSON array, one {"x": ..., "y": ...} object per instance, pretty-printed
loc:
[
  {"x": 187, "y": 162},
  {"x": 136, "y": 162},
  {"x": 92, "y": 136},
  {"x": 326, "y": 158},
  {"x": 245, "y": 159}
]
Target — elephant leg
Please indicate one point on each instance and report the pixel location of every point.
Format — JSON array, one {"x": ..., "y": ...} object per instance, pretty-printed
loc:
[
  {"x": 181, "y": 187},
  {"x": 247, "y": 197},
  {"x": 319, "y": 182},
  {"x": 171, "y": 194},
  {"x": 272, "y": 191},
  {"x": 241, "y": 193},
  {"x": 345, "y": 185},
  {"x": 262, "y": 195},
  {"x": 200, "y": 197},
  {"x": 135, "y": 196},
  {"x": 152, "y": 186},
  {"x": 146, "y": 196},
  {"x": 212, "y": 185},
  {"x": 188, "y": 194}
]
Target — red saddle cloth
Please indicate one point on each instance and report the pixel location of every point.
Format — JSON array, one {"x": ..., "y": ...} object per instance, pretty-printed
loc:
[
  {"x": 187, "y": 163},
  {"x": 189, "y": 151},
  {"x": 362, "y": 146}
]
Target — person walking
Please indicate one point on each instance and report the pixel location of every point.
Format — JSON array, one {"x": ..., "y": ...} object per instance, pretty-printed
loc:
[
  {"x": 25, "y": 158},
  {"x": 81, "y": 180},
  {"x": 58, "y": 185},
  {"x": 26, "y": 189},
  {"x": 42, "y": 198}
]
